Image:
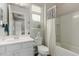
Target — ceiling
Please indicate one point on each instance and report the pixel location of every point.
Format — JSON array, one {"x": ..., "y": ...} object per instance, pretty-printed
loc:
[
  {"x": 61, "y": 8},
  {"x": 66, "y": 8}
]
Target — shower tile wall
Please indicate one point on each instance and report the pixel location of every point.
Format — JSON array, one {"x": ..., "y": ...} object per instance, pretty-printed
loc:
[
  {"x": 69, "y": 25},
  {"x": 58, "y": 35}
]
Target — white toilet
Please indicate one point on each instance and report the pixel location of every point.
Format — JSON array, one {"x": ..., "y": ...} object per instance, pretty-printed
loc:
[{"x": 42, "y": 50}]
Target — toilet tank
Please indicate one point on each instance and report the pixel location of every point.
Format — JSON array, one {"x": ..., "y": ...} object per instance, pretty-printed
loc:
[{"x": 38, "y": 39}]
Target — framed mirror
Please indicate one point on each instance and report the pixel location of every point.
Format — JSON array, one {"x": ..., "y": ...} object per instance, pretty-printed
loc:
[
  {"x": 1, "y": 17},
  {"x": 19, "y": 24}
]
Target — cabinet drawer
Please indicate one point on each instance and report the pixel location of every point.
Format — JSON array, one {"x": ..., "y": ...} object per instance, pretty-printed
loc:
[
  {"x": 27, "y": 52},
  {"x": 24, "y": 52},
  {"x": 27, "y": 44},
  {"x": 12, "y": 47}
]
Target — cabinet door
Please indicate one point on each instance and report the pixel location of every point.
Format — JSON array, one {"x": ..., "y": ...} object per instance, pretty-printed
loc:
[
  {"x": 24, "y": 52},
  {"x": 17, "y": 52},
  {"x": 27, "y": 52},
  {"x": 27, "y": 44},
  {"x": 2, "y": 50},
  {"x": 12, "y": 48}
]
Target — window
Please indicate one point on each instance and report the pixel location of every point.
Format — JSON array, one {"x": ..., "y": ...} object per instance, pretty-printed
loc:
[
  {"x": 1, "y": 22},
  {"x": 1, "y": 16},
  {"x": 36, "y": 17},
  {"x": 36, "y": 8},
  {"x": 36, "y": 13},
  {"x": 36, "y": 20}
]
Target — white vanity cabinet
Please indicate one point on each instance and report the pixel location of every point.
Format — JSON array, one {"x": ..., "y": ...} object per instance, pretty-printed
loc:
[
  {"x": 25, "y": 49},
  {"x": 17, "y": 49}
]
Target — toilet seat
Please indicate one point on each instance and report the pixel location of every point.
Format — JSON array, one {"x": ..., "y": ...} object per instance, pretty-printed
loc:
[{"x": 43, "y": 50}]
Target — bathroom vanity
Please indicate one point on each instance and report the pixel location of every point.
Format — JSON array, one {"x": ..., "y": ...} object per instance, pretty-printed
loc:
[{"x": 17, "y": 47}]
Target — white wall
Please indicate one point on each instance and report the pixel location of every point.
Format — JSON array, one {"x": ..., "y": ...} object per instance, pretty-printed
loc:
[{"x": 70, "y": 31}]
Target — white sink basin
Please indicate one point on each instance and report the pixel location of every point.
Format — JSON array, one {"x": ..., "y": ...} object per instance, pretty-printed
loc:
[{"x": 14, "y": 39}]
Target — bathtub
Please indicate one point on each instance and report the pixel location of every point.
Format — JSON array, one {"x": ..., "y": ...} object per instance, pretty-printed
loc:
[{"x": 64, "y": 52}]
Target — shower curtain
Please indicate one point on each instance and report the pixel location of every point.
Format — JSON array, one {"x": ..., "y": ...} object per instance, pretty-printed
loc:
[{"x": 51, "y": 36}]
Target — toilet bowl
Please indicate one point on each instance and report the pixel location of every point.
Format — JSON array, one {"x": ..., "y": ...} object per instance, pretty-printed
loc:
[{"x": 42, "y": 50}]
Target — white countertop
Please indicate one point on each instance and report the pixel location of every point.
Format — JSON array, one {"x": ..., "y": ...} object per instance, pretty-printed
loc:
[{"x": 13, "y": 40}]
